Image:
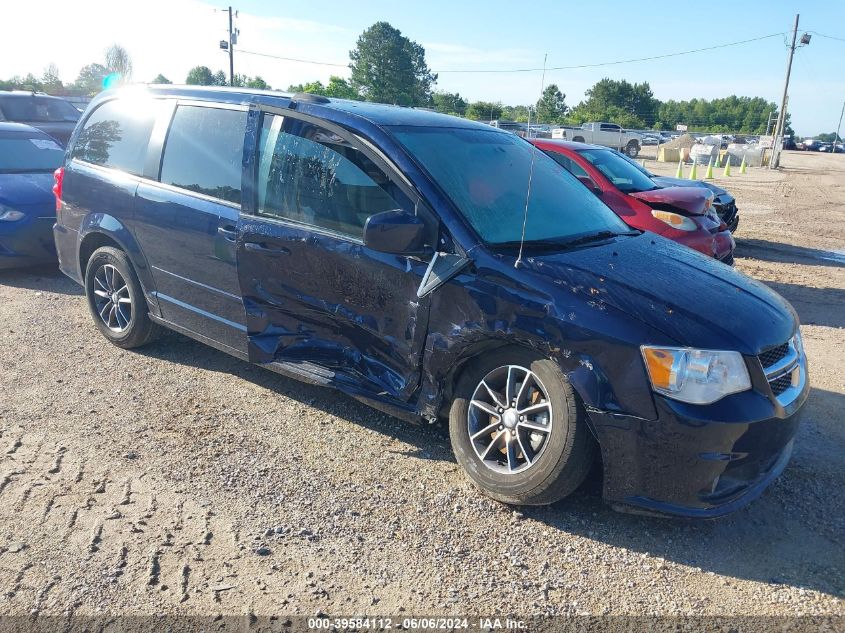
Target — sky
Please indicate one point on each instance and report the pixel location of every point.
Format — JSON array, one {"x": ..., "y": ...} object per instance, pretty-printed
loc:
[{"x": 171, "y": 36}]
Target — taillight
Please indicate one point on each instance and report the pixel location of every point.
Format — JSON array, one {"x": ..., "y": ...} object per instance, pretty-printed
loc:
[{"x": 58, "y": 177}]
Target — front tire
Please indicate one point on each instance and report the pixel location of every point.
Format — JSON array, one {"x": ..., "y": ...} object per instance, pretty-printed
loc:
[
  {"x": 116, "y": 300},
  {"x": 518, "y": 429}
]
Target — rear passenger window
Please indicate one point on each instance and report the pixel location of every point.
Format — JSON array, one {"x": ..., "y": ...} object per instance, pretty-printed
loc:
[
  {"x": 204, "y": 151},
  {"x": 116, "y": 135},
  {"x": 310, "y": 175}
]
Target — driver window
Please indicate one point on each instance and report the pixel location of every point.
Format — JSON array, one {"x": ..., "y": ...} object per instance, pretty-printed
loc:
[{"x": 310, "y": 175}]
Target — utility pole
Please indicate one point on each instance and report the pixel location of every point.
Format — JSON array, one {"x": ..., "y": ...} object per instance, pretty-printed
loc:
[
  {"x": 781, "y": 124},
  {"x": 838, "y": 138},
  {"x": 232, "y": 51}
]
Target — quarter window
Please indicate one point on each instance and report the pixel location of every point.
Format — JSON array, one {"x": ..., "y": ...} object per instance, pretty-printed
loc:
[
  {"x": 116, "y": 135},
  {"x": 309, "y": 175},
  {"x": 204, "y": 151}
]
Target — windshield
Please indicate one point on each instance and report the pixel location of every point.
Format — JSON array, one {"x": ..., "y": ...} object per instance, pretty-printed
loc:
[
  {"x": 22, "y": 154},
  {"x": 38, "y": 109},
  {"x": 485, "y": 174},
  {"x": 631, "y": 161},
  {"x": 623, "y": 175}
]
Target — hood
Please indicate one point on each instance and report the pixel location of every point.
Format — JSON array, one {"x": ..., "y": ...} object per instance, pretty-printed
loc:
[
  {"x": 27, "y": 190},
  {"x": 693, "y": 200},
  {"x": 666, "y": 181},
  {"x": 694, "y": 300}
]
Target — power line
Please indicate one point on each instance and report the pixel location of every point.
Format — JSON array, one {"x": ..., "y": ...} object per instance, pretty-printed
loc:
[
  {"x": 529, "y": 70},
  {"x": 621, "y": 61},
  {"x": 830, "y": 37},
  {"x": 293, "y": 59}
]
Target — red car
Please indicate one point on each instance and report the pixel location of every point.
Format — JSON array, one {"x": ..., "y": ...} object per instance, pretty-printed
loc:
[{"x": 682, "y": 214}]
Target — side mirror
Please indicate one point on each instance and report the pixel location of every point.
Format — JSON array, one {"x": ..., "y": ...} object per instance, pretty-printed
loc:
[
  {"x": 396, "y": 231},
  {"x": 590, "y": 184}
]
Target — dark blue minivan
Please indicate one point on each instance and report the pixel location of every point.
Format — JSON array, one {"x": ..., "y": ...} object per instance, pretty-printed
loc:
[{"x": 434, "y": 267}]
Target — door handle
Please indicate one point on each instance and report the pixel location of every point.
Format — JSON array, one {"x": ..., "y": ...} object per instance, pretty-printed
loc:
[
  {"x": 260, "y": 247},
  {"x": 229, "y": 232}
]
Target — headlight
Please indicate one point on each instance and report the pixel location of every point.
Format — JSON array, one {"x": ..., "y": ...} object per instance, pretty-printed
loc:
[
  {"x": 675, "y": 220},
  {"x": 693, "y": 375}
]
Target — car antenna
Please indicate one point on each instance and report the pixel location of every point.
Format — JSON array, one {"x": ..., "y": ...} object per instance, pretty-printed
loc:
[{"x": 518, "y": 261}]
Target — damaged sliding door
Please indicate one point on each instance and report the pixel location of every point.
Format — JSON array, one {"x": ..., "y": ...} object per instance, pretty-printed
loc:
[{"x": 318, "y": 302}]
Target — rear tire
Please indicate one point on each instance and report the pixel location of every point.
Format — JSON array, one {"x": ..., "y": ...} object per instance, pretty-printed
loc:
[
  {"x": 632, "y": 149},
  {"x": 116, "y": 300},
  {"x": 545, "y": 466},
  {"x": 578, "y": 139}
]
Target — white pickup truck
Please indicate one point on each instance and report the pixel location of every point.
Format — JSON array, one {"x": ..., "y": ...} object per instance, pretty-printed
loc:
[{"x": 607, "y": 134}]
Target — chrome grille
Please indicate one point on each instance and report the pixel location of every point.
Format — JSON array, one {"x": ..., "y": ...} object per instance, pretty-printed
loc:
[
  {"x": 785, "y": 370},
  {"x": 773, "y": 355},
  {"x": 779, "y": 385}
]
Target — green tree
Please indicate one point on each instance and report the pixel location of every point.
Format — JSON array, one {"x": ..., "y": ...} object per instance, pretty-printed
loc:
[
  {"x": 337, "y": 87},
  {"x": 200, "y": 76},
  {"x": 50, "y": 81},
  {"x": 449, "y": 103},
  {"x": 119, "y": 61},
  {"x": 257, "y": 82},
  {"x": 633, "y": 102},
  {"x": 484, "y": 111},
  {"x": 90, "y": 79},
  {"x": 219, "y": 79},
  {"x": 551, "y": 107},
  {"x": 518, "y": 113},
  {"x": 389, "y": 68},
  {"x": 161, "y": 79},
  {"x": 745, "y": 115}
]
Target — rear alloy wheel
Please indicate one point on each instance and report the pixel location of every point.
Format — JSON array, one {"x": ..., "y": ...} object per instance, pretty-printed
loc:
[
  {"x": 116, "y": 300},
  {"x": 632, "y": 150},
  {"x": 518, "y": 429},
  {"x": 111, "y": 298}
]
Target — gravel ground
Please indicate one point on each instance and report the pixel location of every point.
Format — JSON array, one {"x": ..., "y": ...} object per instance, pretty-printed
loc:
[{"x": 178, "y": 480}]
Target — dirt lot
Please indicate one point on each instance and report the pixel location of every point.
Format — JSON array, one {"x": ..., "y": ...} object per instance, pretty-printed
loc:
[{"x": 180, "y": 480}]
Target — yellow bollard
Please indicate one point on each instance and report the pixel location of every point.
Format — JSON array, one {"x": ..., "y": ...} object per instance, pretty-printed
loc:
[
  {"x": 709, "y": 174},
  {"x": 693, "y": 173},
  {"x": 743, "y": 168},
  {"x": 727, "y": 171},
  {"x": 642, "y": 162},
  {"x": 680, "y": 172}
]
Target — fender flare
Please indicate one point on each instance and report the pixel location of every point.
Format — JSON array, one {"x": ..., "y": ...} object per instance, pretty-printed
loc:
[{"x": 112, "y": 228}]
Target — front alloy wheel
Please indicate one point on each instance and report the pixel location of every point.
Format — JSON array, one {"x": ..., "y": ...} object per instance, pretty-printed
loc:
[
  {"x": 509, "y": 419},
  {"x": 518, "y": 429}
]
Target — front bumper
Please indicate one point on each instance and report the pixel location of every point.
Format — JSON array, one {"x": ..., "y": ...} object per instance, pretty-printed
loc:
[
  {"x": 726, "y": 210},
  {"x": 27, "y": 242},
  {"x": 685, "y": 463},
  {"x": 719, "y": 245}
]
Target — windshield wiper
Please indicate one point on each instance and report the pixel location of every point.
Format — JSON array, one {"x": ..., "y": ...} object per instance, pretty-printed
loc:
[
  {"x": 565, "y": 243},
  {"x": 595, "y": 237}
]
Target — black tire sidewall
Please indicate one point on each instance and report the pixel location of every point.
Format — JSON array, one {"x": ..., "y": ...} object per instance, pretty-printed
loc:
[
  {"x": 139, "y": 324},
  {"x": 557, "y": 472}
]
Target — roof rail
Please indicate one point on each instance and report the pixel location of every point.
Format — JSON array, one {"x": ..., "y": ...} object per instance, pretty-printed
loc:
[{"x": 310, "y": 98}]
